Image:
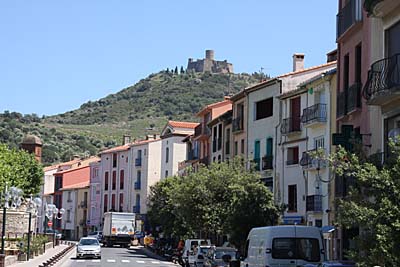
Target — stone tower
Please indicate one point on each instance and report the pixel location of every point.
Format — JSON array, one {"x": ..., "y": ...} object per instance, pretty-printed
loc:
[{"x": 33, "y": 144}]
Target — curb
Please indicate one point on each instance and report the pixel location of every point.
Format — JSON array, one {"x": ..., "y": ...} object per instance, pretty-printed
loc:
[{"x": 53, "y": 260}]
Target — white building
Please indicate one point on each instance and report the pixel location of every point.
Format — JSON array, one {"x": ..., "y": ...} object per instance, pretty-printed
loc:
[
  {"x": 95, "y": 211},
  {"x": 69, "y": 203}
]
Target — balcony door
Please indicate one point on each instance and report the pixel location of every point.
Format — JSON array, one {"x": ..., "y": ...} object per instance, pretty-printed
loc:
[
  {"x": 295, "y": 113},
  {"x": 393, "y": 40}
]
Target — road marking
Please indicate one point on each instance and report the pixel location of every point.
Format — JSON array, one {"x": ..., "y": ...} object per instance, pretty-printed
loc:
[
  {"x": 155, "y": 262},
  {"x": 96, "y": 260},
  {"x": 110, "y": 260},
  {"x": 168, "y": 262},
  {"x": 140, "y": 261},
  {"x": 80, "y": 261},
  {"x": 126, "y": 261}
]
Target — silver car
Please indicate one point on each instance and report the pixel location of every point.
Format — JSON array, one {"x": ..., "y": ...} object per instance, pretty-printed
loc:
[{"x": 88, "y": 247}]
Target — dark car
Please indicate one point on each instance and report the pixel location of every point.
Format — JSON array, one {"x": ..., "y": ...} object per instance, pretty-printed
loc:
[{"x": 220, "y": 256}]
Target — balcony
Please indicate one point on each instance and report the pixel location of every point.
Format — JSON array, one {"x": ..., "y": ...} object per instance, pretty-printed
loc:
[
  {"x": 348, "y": 16},
  {"x": 204, "y": 161},
  {"x": 137, "y": 185},
  {"x": 192, "y": 155},
  {"x": 267, "y": 163},
  {"x": 136, "y": 209},
  {"x": 311, "y": 163},
  {"x": 354, "y": 97},
  {"x": 83, "y": 204},
  {"x": 314, "y": 203},
  {"x": 291, "y": 125},
  {"x": 314, "y": 114},
  {"x": 82, "y": 222},
  {"x": 237, "y": 125},
  {"x": 138, "y": 162},
  {"x": 341, "y": 104},
  {"x": 383, "y": 84},
  {"x": 201, "y": 130}
]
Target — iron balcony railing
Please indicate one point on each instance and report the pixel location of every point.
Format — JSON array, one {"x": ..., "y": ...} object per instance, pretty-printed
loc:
[
  {"x": 204, "y": 161},
  {"x": 341, "y": 104},
  {"x": 138, "y": 162},
  {"x": 314, "y": 203},
  {"x": 83, "y": 204},
  {"x": 384, "y": 76},
  {"x": 291, "y": 125},
  {"x": 267, "y": 163},
  {"x": 201, "y": 129},
  {"x": 353, "y": 97},
  {"x": 138, "y": 185},
  {"x": 307, "y": 161},
  {"x": 349, "y": 15},
  {"x": 315, "y": 113},
  {"x": 237, "y": 124}
]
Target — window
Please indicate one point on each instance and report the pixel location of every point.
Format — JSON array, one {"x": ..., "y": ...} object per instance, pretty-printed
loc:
[
  {"x": 121, "y": 179},
  {"x": 167, "y": 155},
  {"x": 242, "y": 146},
  {"x": 105, "y": 205},
  {"x": 85, "y": 197},
  {"x": 219, "y": 140},
  {"x": 121, "y": 202},
  {"x": 219, "y": 158},
  {"x": 292, "y": 198},
  {"x": 139, "y": 175},
  {"x": 319, "y": 142},
  {"x": 228, "y": 142},
  {"x": 236, "y": 148},
  {"x": 68, "y": 215},
  {"x": 358, "y": 65},
  {"x": 263, "y": 109},
  {"x": 114, "y": 180},
  {"x": 115, "y": 160},
  {"x": 346, "y": 72},
  {"x": 296, "y": 248},
  {"x": 106, "y": 181},
  {"x": 69, "y": 196},
  {"x": 318, "y": 223},
  {"x": 58, "y": 183},
  {"x": 292, "y": 155},
  {"x": 166, "y": 174},
  {"x": 113, "y": 202},
  {"x": 139, "y": 154},
  {"x": 269, "y": 146}
]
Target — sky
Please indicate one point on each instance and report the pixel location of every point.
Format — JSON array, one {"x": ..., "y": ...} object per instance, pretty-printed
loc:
[{"x": 57, "y": 55}]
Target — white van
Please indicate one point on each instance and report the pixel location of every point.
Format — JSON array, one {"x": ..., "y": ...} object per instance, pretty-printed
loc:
[
  {"x": 288, "y": 246},
  {"x": 190, "y": 250}
]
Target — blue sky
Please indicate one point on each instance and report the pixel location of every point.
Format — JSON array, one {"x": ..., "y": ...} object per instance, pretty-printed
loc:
[{"x": 56, "y": 55}]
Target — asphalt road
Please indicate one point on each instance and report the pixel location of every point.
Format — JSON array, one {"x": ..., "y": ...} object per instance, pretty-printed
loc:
[{"x": 117, "y": 256}]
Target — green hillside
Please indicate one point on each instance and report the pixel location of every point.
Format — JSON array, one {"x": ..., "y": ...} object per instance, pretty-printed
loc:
[{"x": 141, "y": 109}]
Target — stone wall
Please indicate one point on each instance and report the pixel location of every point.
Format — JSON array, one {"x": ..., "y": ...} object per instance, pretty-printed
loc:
[
  {"x": 213, "y": 66},
  {"x": 17, "y": 222}
]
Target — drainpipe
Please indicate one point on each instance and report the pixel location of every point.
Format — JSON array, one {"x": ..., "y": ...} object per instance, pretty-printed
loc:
[
  {"x": 276, "y": 145},
  {"x": 305, "y": 175}
]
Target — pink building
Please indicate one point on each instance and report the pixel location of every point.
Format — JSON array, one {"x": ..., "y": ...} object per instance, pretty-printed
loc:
[{"x": 95, "y": 196}]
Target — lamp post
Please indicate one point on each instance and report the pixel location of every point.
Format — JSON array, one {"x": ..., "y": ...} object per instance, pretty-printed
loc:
[
  {"x": 33, "y": 206},
  {"x": 51, "y": 213},
  {"x": 12, "y": 198}
]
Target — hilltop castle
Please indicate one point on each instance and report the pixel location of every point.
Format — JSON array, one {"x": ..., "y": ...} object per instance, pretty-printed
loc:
[{"x": 210, "y": 64}]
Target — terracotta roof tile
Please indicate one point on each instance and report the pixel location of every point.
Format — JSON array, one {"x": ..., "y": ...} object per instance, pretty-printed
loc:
[
  {"x": 214, "y": 105},
  {"x": 76, "y": 186},
  {"x": 308, "y": 69},
  {"x": 183, "y": 124},
  {"x": 116, "y": 149},
  {"x": 142, "y": 142}
]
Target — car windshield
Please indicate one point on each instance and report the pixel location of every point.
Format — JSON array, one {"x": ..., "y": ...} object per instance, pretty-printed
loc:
[
  {"x": 220, "y": 253},
  {"x": 204, "y": 250},
  {"x": 296, "y": 248},
  {"x": 88, "y": 242},
  {"x": 92, "y": 233}
]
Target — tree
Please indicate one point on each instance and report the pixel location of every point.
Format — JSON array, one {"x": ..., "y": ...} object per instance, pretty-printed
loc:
[
  {"x": 373, "y": 205},
  {"x": 223, "y": 198},
  {"x": 19, "y": 168},
  {"x": 176, "y": 70},
  {"x": 182, "y": 70}
]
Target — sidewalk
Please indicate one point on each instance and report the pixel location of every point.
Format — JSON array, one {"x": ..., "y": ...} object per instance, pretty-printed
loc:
[{"x": 40, "y": 259}]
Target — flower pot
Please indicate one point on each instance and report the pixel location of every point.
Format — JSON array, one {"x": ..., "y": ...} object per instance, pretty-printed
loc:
[{"x": 22, "y": 257}]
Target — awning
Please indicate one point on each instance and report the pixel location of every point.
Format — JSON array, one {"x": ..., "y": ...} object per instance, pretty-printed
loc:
[
  {"x": 292, "y": 219},
  {"x": 327, "y": 229}
]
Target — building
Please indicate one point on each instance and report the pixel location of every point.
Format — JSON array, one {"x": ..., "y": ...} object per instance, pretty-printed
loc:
[
  {"x": 209, "y": 64},
  {"x": 95, "y": 212},
  {"x": 221, "y": 134},
  {"x": 33, "y": 145}
]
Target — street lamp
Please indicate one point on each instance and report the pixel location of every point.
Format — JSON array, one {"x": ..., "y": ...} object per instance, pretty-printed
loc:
[
  {"x": 12, "y": 198},
  {"x": 51, "y": 213},
  {"x": 32, "y": 206}
]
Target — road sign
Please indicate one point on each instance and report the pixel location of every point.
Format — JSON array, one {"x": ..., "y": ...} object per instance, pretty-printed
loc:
[{"x": 49, "y": 223}]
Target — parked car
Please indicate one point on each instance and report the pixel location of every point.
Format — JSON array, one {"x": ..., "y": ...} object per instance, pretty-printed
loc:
[
  {"x": 220, "y": 257},
  {"x": 56, "y": 232},
  {"x": 96, "y": 234},
  {"x": 199, "y": 254},
  {"x": 190, "y": 244},
  {"x": 88, "y": 247}
]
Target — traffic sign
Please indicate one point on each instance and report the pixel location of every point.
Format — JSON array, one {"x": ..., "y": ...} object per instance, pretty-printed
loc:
[{"x": 49, "y": 223}]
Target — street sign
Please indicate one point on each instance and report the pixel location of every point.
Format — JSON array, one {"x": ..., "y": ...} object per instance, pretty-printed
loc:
[{"x": 49, "y": 223}]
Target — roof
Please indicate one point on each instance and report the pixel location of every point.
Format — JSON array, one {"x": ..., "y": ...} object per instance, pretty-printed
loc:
[
  {"x": 50, "y": 168},
  {"x": 183, "y": 124},
  {"x": 214, "y": 105},
  {"x": 71, "y": 170},
  {"x": 116, "y": 149},
  {"x": 223, "y": 117},
  {"x": 142, "y": 142},
  {"x": 307, "y": 69},
  {"x": 76, "y": 186},
  {"x": 31, "y": 140}
]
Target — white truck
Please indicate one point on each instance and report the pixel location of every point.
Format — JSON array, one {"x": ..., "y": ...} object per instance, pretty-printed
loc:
[{"x": 118, "y": 228}]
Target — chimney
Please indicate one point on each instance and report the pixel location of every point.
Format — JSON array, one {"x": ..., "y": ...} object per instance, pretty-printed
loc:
[
  {"x": 298, "y": 62},
  {"x": 331, "y": 56},
  {"x": 126, "y": 139}
]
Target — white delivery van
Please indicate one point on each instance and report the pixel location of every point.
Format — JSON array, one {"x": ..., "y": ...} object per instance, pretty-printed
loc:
[
  {"x": 190, "y": 250},
  {"x": 289, "y": 246},
  {"x": 118, "y": 228}
]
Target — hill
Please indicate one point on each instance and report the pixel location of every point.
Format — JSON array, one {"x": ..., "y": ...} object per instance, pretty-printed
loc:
[{"x": 141, "y": 109}]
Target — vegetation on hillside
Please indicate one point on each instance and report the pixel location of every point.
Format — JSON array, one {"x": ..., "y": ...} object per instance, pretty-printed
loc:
[{"x": 141, "y": 109}]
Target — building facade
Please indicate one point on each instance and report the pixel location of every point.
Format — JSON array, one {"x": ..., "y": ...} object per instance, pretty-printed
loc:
[{"x": 95, "y": 211}]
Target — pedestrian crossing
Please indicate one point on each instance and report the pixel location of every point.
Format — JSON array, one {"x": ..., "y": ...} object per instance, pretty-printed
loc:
[{"x": 126, "y": 261}]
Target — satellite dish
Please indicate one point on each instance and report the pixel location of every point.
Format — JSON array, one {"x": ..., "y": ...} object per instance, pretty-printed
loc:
[{"x": 394, "y": 133}]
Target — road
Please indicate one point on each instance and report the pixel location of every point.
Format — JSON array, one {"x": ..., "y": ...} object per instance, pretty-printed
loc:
[{"x": 117, "y": 257}]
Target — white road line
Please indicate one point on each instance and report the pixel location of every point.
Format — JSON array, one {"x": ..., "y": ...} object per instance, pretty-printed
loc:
[
  {"x": 168, "y": 262},
  {"x": 125, "y": 261},
  {"x": 96, "y": 260},
  {"x": 155, "y": 262},
  {"x": 140, "y": 261},
  {"x": 110, "y": 260},
  {"x": 80, "y": 261}
]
